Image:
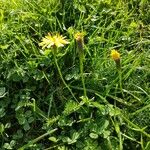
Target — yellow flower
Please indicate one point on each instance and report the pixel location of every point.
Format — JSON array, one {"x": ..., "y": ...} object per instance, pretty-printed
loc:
[
  {"x": 53, "y": 41},
  {"x": 115, "y": 55}
]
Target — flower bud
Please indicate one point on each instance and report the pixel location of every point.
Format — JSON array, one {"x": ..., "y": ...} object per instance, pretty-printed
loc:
[
  {"x": 116, "y": 57},
  {"x": 79, "y": 36}
]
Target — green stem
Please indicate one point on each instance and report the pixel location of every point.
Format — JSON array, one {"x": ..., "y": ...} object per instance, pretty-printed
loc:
[
  {"x": 120, "y": 141},
  {"x": 117, "y": 128},
  {"x": 37, "y": 139},
  {"x": 37, "y": 110},
  {"x": 109, "y": 144},
  {"x": 120, "y": 81},
  {"x": 135, "y": 126},
  {"x": 82, "y": 75},
  {"x": 140, "y": 110},
  {"x": 61, "y": 76}
]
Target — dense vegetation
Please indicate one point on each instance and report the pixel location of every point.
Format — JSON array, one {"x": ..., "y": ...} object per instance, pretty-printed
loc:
[{"x": 68, "y": 100}]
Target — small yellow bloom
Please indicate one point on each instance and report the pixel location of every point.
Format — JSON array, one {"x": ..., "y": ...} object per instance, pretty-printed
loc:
[
  {"x": 115, "y": 55},
  {"x": 53, "y": 41}
]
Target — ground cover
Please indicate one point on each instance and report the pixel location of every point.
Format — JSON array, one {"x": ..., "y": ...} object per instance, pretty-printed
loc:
[{"x": 75, "y": 74}]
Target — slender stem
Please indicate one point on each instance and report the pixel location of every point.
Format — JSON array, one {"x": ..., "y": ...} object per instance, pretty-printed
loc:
[
  {"x": 140, "y": 110},
  {"x": 117, "y": 128},
  {"x": 120, "y": 81},
  {"x": 131, "y": 138},
  {"x": 37, "y": 139},
  {"x": 120, "y": 141},
  {"x": 37, "y": 110},
  {"x": 61, "y": 76},
  {"x": 109, "y": 143},
  {"x": 135, "y": 126},
  {"x": 82, "y": 75}
]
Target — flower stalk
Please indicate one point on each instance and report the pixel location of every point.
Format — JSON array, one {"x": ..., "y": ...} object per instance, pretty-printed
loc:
[
  {"x": 116, "y": 57},
  {"x": 79, "y": 37},
  {"x": 55, "y": 42},
  {"x": 61, "y": 76}
]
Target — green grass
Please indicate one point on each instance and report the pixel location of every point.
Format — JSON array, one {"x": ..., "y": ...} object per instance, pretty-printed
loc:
[{"x": 64, "y": 102}]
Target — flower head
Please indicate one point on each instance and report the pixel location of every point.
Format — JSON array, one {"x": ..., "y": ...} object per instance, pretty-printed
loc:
[
  {"x": 115, "y": 55},
  {"x": 53, "y": 41},
  {"x": 79, "y": 36}
]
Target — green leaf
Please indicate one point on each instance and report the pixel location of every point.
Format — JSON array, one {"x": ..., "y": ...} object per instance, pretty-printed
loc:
[
  {"x": 47, "y": 52},
  {"x": 18, "y": 135},
  {"x": 2, "y": 92},
  {"x": 71, "y": 106},
  {"x": 2, "y": 128},
  {"x": 53, "y": 139},
  {"x": 51, "y": 121},
  {"x": 31, "y": 119},
  {"x": 91, "y": 144},
  {"x": 99, "y": 127},
  {"x": 26, "y": 126},
  {"x": 68, "y": 77},
  {"x": 7, "y": 125},
  {"x": 62, "y": 148},
  {"x": 73, "y": 139},
  {"x": 12, "y": 143},
  {"x": 100, "y": 107},
  {"x": 113, "y": 111},
  {"x": 28, "y": 113},
  {"x": 4, "y": 46},
  {"x": 133, "y": 24},
  {"x": 21, "y": 104},
  {"x": 75, "y": 136},
  {"x": 21, "y": 118},
  {"x": 106, "y": 134},
  {"x": 93, "y": 135},
  {"x": 117, "y": 127},
  {"x": 2, "y": 112},
  {"x": 7, "y": 146},
  {"x": 65, "y": 121}
]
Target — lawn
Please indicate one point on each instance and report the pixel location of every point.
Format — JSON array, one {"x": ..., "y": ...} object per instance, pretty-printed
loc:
[{"x": 75, "y": 74}]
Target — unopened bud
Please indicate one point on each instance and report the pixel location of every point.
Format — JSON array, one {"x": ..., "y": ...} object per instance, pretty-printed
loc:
[{"x": 116, "y": 57}]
